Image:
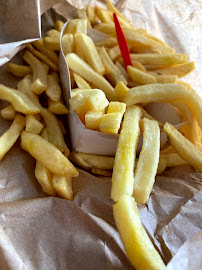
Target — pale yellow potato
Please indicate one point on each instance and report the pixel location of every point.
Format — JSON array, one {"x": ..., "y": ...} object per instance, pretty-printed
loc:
[
  {"x": 172, "y": 159},
  {"x": 19, "y": 100},
  {"x": 52, "y": 43},
  {"x": 81, "y": 14},
  {"x": 57, "y": 107},
  {"x": 166, "y": 93},
  {"x": 47, "y": 154},
  {"x": 115, "y": 106},
  {"x": 92, "y": 119},
  {"x": 122, "y": 70},
  {"x": 19, "y": 70},
  {"x": 121, "y": 89},
  {"x": 105, "y": 16},
  {"x": 185, "y": 149},
  {"x": 8, "y": 113},
  {"x": 68, "y": 43},
  {"x": 155, "y": 67},
  {"x": 122, "y": 177},
  {"x": 63, "y": 186},
  {"x": 54, "y": 131},
  {"x": 32, "y": 124},
  {"x": 58, "y": 25},
  {"x": 165, "y": 78},
  {"x": 8, "y": 139},
  {"x": 185, "y": 83},
  {"x": 53, "y": 33},
  {"x": 81, "y": 83},
  {"x": 140, "y": 76},
  {"x": 147, "y": 164},
  {"x": 90, "y": 11},
  {"x": 180, "y": 70},
  {"x": 76, "y": 64},
  {"x": 114, "y": 52},
  {"x": 53, "y": 90},
  {"x": 89, "y": 161},
  {"x": 77, "y": 26},
  {"x": 107, "y": 42},
  {"x": 43, "y": 58},
  {"x": 102, "y": 172},
  {"x": 162, "y": 59},
  {"x": 39, "y": 84},
  {"x": 162, "y": 165},
  {"x": 106, "y": 28},
  {"x": 136, "y": 64},
  {"x": 80, "y": 105},
  {"x": 137, "y": 243},
  {"x": 91, "y": 55},
  {"x": 111, "y": 122},
  {"x": 39, "y": 44}
]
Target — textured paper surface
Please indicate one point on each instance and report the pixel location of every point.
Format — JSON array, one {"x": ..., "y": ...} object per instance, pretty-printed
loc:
[{"x": 40, "y": 232}]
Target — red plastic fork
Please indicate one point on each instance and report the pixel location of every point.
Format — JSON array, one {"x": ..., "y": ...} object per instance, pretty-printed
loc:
[{"x": 122, "y": 43}]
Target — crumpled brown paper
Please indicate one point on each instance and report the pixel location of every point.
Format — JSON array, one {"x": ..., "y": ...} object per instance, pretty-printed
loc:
[{"x": 40, "y": 232}]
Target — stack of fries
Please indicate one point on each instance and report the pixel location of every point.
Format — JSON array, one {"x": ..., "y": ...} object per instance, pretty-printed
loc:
[{"x": 110, "y": 98}]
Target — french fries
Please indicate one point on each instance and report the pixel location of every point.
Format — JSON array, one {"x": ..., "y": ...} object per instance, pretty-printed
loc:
[
  {"x": 63, "y": 186},
  {"x": 8, "y": 113},
  {"x": 19, "y": 70},
  {"x": 53, "y": 90},
  {"x": 32, "y": 124}
]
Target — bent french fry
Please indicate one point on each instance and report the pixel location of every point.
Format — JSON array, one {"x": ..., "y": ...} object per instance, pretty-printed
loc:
[
  {"x": 19, "y": 70},
  {"x": 39, "y": 84},
  {"x": 137, "y": 243},
  {"x": 147, "y": 164},
  {"x": 76, "y": 64},
  {"x": 47, "y": 154},
  {"x": 19, "y": 100},
  {"x": 122, "y": 177},
  {"x": 8, "y": 139},
  {"x": 8, "y": 113},
  {"x": 185, "y": 149},
  {"x": 63, "y": 186}
]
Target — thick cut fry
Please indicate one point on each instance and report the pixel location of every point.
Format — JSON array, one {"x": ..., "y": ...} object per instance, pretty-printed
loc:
[
  {"x": 53, "y": 127},
  {"x": 59, "y": 25},
  {"x": 39, "y": 84},
  {"x": 32, "y": 124},
  {"x": 91, "y": 55},
  {"x": 173, "y": 159},
  {"x": 91, "y": 13},
  {"x": 89, "y": 161},
  {"x": 77, "y": 26},
  {"x": 43, "y": 58},
  {"x": 104, "y": 16},
  {"x": 137, "y": 243},
  {"x": 122, "y": 178},
  {"x": 44, "y": 177},
  {"x": 92, "y": 119},
  {"x": 67, "y": 43},
  {"x": 81, "y": 83},
  {"x": 140, "y": 76},
  {"x": 147, "y": 164},
  {"x": 81, "y": 13},
  {"x": 121, "y": 89},
  {"x": 19, "y": 100},
  {"x": 115, "y": 106},
  {"x": 111, "y": 123},
  {"x": 49, "y": 53},
  {"x": 83, "y": 69},
  {"x": 52, "y": 43},
  {"x": 8, "y": 139},
  {"x": 19, "y": 70},
  {"x": 57, "y": 107},
  {"x": 53, "y": 33},
  {"x": 47, "y": 154},
  {"x": 80, "y": 105},
  {"x": 107, "y": 43},
  {"x": 8, "y": 113},
  {"x": 53, "y": 91},
  {"x": 166, "y": 93},
  {"x": 159, "y": 59},
  {"x": 180, "y": 70},
  {"x": 185, "y": 149},
  {"x": 102, "y": 172},
  {"x": 63, "y": 186}
]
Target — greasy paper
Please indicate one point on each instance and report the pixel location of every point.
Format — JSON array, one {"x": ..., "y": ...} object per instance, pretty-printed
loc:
[{"x": 41, "y": 232}]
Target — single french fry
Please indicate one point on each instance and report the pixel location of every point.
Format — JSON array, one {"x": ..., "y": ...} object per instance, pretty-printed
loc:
[
  {"x": 111, "y": 122},
  {"x": 39, "y": 84},
  {"x": 63, "y": 186},
  {"x": 107, "y": 43},
  {"x": 81, "y": 83},
  {"x": 59, "y": 25},
  {"x": 39, "y": 44},
  {"x": 162, "y": 59},
  {"x": 92, "y": 119},
  {"x": 106, "y": 28},
  {"x": 115, "y": 106},
  {"x": 83, "y": 69},
  {"x": 53, "y": 90},
  {"x": 155, "y": 67},
  {"x": 32, "y": 124},
  {"x": 77, "y": 26},
  {"x": 9, "y": 137},
  {"x": 121, "y": 89},
  {"x": 8, "y": 113},
  {"x": 57, "y": 107},
  {"x": 173, "y": 159},
  {"x": 80, "y": 105},
  {"x": 19, "y": 100},
  {"x": 52, "y": 43},
  {"x": 147, "y": 164},
  {"x": 102, "y": 172},
  {"x": 162, "y": 165},
  {"x": 185, "y": 149},
  {"x": 19, "y": 70},
  {"x": 137, "y": 243},
  {"x": 140, "y": 76},
  {"x": 114, "y": 52},
  {"x": 122, "y": 177},
  {"x": 123, "y": 72},
  {"x": 165, "y": 78},
  {"x": 81, "y": 13},
  {"x": 47, "y": 154},
  {"x": 53, "y": 33},
  {"x": 90, "y": 11},
  {"x": 67, "y": 43},
  {"x": 184, "y": 83},
  {"x": 136, "y": 64}
]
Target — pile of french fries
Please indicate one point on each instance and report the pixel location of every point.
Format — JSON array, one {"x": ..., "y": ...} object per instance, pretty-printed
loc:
[{"x": 107, "y": 97}]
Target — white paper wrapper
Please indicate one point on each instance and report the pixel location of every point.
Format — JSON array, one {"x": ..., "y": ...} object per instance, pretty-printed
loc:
[{"x": 40, "y": 232}]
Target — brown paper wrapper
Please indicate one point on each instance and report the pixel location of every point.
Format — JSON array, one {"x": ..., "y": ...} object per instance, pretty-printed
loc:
[{"x": 41, "y": 232}]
